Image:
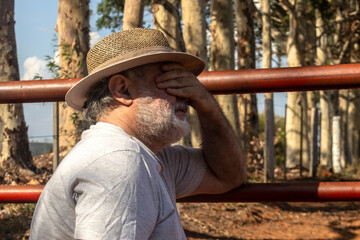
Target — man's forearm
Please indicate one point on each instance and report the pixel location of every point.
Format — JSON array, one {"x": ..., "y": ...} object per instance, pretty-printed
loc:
[{"x": 221, "y": 148}]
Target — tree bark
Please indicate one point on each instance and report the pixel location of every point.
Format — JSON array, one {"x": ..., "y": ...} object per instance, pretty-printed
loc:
[
  {"x": 355, "y": 58},
  {"x": 247, "y": 103},
  {"x": 311, "y": 105},
  {"x": 310, "y": 34},
  {"x": 269, "y": 152},
  {"x": 167, "y": 20},
  {"x": 353, "y": 126},
  {"x": 133, "y": 14},
  {"x": 73, "y": 31},
  {"x": 15, "y": 155},
  {"x": 314, "y": 136},
  {"x": 325, "y": 104},
  {"x": 336, "y": 145},
  {"x": 222, "y": 54},
  {"x": 295, "y": 53},
  {"x": 194, "y": 28},
  {"x": 326, "y": 134},
  {"x": 344, "y": 103}
]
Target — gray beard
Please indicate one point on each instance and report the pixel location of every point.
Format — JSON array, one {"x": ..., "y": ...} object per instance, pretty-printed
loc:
[{"x": 158, "y": 122}]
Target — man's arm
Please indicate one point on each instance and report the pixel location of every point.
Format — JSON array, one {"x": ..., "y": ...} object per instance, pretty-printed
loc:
[{"x": 221, "y": 149}]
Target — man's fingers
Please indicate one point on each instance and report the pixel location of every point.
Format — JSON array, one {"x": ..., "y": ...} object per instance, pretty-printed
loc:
[
  {"x": 172, "y": 66},
  {"x": 175, "y": 83},
  {"x": 185, "y": 92},
  {"x": 173, "y": 74}
]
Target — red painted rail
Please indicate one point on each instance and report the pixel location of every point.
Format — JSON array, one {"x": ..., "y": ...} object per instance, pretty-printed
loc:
[
  {"x": 20, "y": 194},
  {"x": 286, "y": 192},
  {"x": 260, "y": 192},
  {"x": 311, "y": 78}
]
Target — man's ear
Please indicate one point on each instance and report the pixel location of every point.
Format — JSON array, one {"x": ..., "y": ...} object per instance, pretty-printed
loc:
[{"x": 118, "y": 86}]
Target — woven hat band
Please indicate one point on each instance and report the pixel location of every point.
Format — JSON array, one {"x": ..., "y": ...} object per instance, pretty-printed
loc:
[{"x": 131, "y": 55}]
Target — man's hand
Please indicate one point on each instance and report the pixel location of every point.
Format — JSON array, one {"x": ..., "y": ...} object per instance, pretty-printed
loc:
[{"x": 183, "y": 84}]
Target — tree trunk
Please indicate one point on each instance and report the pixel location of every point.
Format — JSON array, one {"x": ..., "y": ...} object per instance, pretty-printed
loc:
[
  {"x": 167, "y": 20},
  {"x": 269, "y": 152},
  {"x": 310, "y": 41},
  {"x": 222, "y": 54},
  {"x": 313, "y": 143},
  {"x": 353, "y": 126},
  {"x": 266, "y": 34},
  {"x": 325, "y": 104},
  {"x": 295, "y": 53},
  {"x": 336, "y": 145},
  {"x": 326, "y": 134},
  {"x": 342, "y": 36},
  {"x": 311, "y": 105},
  {"x": 15, "y": 155},
  {"x": 344, "y": 104},
  {"x": 246, "y": 60},
  {"x": 73, "y": 30},
  {"x": 246, "y": 35},
  {"x": 355, "y": 50},
  {"x": 133, "y": 14},
  {"x": 193, "y": 16},
  {"x": 349, "y": 103}
]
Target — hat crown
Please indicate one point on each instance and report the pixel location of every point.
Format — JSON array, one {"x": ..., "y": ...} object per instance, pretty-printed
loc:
[{"x": 121, "y": 43}]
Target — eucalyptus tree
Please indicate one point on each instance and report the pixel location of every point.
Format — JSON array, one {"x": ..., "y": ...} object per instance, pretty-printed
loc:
[
  {"x": 73, "y": 33},
  {"x": 245, "y": 42},
  {"x": 269, "y": 153},
  {"x": 194, "y": 32},
  {"x": 222, "y": 54},
  {"x": 297, "y": 126},
  {"x": 133, "y": 13},
  {"x": 167, "y": 20},
  {"x": 15, "y": 156}
]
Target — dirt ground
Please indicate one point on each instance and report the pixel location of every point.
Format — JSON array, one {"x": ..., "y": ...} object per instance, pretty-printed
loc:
[
  {"x": 227, "y": 221},
  {"x": 223, "y": 221}
]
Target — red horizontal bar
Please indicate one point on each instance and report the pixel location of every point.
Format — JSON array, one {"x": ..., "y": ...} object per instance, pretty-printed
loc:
[
  {"x": 311, "y": 78},
  {"x": 259, "y": 192},
  {"x": 286, "y": 192},
  {"x": 20, "y": 194}
]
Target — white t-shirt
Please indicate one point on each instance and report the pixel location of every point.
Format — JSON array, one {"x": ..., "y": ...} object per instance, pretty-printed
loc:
[{"x": 111, "y": 186}]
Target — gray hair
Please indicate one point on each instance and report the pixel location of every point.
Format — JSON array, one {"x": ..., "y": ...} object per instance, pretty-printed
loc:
[{"x": 100, "y": 99}]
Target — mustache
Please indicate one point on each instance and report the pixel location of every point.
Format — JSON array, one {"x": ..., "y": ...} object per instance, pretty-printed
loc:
[{"x": 180, "y": 106}]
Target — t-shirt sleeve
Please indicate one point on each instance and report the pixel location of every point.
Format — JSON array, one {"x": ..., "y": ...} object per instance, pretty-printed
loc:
[
  {"x": 116, "y": 201},
  {"x": 185, "y": 167}
]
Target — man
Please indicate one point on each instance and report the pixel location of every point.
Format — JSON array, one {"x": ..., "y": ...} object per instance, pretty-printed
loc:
[{"x": 122, "y": 179}]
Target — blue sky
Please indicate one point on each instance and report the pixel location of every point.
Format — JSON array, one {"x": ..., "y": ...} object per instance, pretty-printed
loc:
[{"x": 35, "y": 31}]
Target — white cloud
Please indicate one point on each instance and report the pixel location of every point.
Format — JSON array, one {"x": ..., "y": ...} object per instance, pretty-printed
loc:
[
  {"x": 94, "y": 38},
  {"x": 56, "y": 57},
  {"x": 34, "y": 66}
]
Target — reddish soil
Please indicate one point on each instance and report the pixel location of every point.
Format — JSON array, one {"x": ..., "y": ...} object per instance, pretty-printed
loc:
[{"x": 271, "y": 221}]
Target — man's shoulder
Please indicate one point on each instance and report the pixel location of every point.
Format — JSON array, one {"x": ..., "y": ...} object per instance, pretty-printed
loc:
[{"x": 94, "y": 149}]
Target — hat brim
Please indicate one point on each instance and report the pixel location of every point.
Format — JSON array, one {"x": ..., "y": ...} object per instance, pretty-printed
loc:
[{"x": 77, "y": 95}]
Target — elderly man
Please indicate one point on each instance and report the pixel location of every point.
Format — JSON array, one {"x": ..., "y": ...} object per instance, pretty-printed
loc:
[{"x": 122, "y": 179}]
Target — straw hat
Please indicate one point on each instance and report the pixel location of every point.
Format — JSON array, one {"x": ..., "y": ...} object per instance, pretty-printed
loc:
[{"x": 123, "y": 50}]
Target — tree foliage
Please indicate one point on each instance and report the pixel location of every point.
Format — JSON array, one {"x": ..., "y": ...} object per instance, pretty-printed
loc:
[{"x": 111, "y": 14}]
